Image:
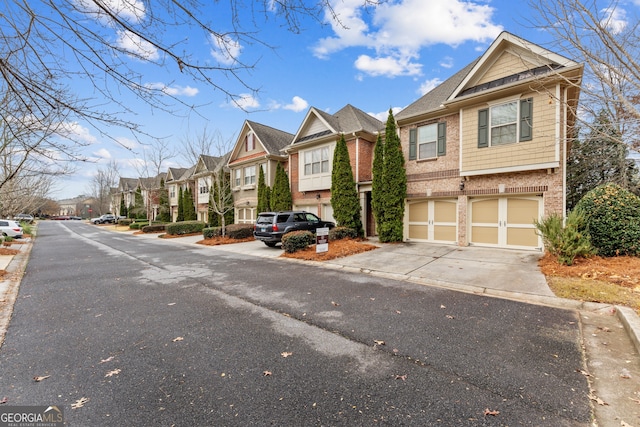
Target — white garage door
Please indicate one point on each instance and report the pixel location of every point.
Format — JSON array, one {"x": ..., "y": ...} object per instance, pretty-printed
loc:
[
  {"x": 433, "y": 221},
  {"x": 505, "y": 222}
]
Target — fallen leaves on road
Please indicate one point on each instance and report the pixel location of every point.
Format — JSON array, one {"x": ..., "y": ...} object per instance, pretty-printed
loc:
[
  {"x": 177, "y": 339},
  {"x": 335, "y": 304},
  {"x": 4, "y": 400},
  {"x": 490, "y": 412},
  {"x": 597, "y": 400},
  {"x": 79, "y": 403},
  {"x": 379, "y": 342},
  {"x": 112, "y": 373},
  {"x": 38, "y": 379},
  {"x": 401, "y": 377},
  {"x": 285, "y": 354},
  {"x": 266, "y": 373},
  {"x": 108, "y": 359}
]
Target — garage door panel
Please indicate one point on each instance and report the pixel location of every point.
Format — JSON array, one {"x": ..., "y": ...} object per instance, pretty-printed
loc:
[
  {"x": 419, "y": 232},
  {"x": 485, "y": 211},
  {"x": 522, "y": 237},
  {"x": 485, "y": 235},
  {"x": 444, "y": 211},
  {"x": 522, "y": 211},
  {"x": 446, "y": 233},
  {"x": 419, "y": 212}
]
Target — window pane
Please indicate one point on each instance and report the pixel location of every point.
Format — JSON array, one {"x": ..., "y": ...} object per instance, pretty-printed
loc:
[
  {"x": 427, "y": 133},
  {"x": 503, "y": 135},
  {"x": 315, "y": 168},
  {"x": 307, "y": 169},
  {"x": 426, "y": 151},
  {"x": 325, "y": 153},
  {"x": 316, "y": 155},
  {"x": 502, "y": 114},
  {"x": 307, "y": 157},
  {"x": 325, "y": 166}
]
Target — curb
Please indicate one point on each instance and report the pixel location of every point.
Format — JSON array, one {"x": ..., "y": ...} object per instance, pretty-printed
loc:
[{"x": 9, "y": 287}]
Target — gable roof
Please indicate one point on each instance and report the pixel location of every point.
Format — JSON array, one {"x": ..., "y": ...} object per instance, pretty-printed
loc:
[
  {"x": 128, "y": 184},
  {"x": 273, "y": 140},
  {"x": 465, "y": 83},
  {"x": 347, "y": 120},
  {"x": 210, "y": 164}
]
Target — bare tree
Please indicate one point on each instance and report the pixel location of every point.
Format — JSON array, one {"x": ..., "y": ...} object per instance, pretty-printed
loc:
[
  {"x": 154, "y": 158},
  {"x": 205, "y": 142},
  {"x": 103, "y": 181},
  {"x": 607, "y": 40},
  {"x": 47, "y": 45}
]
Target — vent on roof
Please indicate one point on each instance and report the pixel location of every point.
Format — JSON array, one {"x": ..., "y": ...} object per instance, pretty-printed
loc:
[
  {"x": 510, "y": 79},
  {"x": 315, "y": 135}
]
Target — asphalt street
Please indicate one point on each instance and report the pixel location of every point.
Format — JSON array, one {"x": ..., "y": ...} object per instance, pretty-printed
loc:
[{"x": 128, "y": 331}]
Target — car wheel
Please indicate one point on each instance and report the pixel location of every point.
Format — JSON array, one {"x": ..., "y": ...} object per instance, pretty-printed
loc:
[{"x": 270, "y": 244}]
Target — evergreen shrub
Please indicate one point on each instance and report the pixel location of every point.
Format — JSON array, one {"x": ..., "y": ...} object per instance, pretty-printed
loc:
[
  {"x": 297, "y": 240},
  {"x": 568, "y": 242},
  {"x": 153, "y": 228},
  {"x": 239, "y": 231},
  {"x": 612, "y": 218},
  {"x": 339, "y": 233},
  {"x": 184, "y": 227},
  {"x": 211, "y": 232}
]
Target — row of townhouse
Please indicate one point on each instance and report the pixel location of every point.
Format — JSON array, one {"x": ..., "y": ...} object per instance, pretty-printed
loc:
[{"x": 485, "y": 152}]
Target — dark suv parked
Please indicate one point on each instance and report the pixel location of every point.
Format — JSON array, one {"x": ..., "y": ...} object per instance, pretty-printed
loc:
[{"x": 271, "y": 226}]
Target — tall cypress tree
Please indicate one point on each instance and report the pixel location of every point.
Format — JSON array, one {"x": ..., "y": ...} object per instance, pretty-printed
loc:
[
  {"x": 189, "y": 206},
  {"x": 180, "y": 216},
  {"x": 263, "y": 193},
  {"x": 164, "y": 213},
  {"x": 344, "y": 194},
  {"x": 140, "y": 212},
  {"x": 123, "y": 207},
  {"x": 377, "y": 184},
  {"x": 281, "y": 194},
  {"x": 395, "y": 185}
]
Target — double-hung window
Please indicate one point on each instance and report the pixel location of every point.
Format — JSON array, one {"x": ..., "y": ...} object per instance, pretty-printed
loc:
[
  {"x": 250, "y": 175},
  {"x": 428, "y": 142},
  {"x": 237, "y": 176},
  {"x": 505, "y": 123},
  {"x": 316, "y": 161}
]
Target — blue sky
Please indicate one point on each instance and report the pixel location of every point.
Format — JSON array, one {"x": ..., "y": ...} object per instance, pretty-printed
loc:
[{"x": 386, "y": 57}]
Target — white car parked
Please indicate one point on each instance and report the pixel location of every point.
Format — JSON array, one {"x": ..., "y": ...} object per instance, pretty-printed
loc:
[{"x": 10, "y": 228}]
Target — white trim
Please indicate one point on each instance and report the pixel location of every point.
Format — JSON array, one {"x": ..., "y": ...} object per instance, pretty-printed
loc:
[
  {"x": 558, "y": 122},
  {"x": 521, "y": 168}
]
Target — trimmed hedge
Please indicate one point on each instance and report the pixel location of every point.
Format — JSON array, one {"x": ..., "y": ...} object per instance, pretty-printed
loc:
[
  {"x": 297, "y": 240},
  {"x": 339, "y": 233},
  {"x": 184, "y": 227},
  {"x": 153, "y": 228},
  {"x": 233, "y": 231},
  {"x": 137, "y": 225}
]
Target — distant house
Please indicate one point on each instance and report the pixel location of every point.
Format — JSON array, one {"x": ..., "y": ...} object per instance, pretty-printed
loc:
[
  {"x": 311, "y": 159},
  {"x": 127, "y": 188},
  {"x": 486, "y": 150},
  {"x": 150, "y": 189},
  {"x": 206, "y": 172},
  {"x": 178, "y": 179},
  {"x": 258, "y": 146}
]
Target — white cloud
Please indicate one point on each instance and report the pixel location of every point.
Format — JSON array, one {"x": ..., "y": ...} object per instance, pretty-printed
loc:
[
  {"x": 173, "y": 90},
  {"x": 446, "y": 62},
  {"x": 137, "y": 47},
  {"x": 615, "y": 19},
  {"x": 297, "y": 104},
  {"x": 245, "y": 101},
  {"x": 387, "y": 66},
  {"x": 384, "y": 115},
  {"x": 429, "y": 85},
  {"x": 76, "y": 132},
  {"x": 397, "y": 31},
  {"x": 224, "y": 49},
  {"x": 127, "y": 143},
  {"x": 129, "y": 10},
  {"x": 102, "y": 153}
]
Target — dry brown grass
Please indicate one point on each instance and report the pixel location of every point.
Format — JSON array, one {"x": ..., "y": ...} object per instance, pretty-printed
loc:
[{"x": 614, "y": 280}]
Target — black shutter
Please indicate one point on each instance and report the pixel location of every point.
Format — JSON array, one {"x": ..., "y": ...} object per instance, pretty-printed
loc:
[
  {"x": 442, "y": 138},
  {"x": 526, "y": 116},
  {"x": 483, "y": 128},
  {"x": 412, "y": 143}
]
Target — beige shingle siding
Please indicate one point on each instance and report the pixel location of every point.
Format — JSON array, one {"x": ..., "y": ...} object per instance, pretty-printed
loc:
[
  {"x": 507, "y": 64},
  {"x": 540, "y": 150}
]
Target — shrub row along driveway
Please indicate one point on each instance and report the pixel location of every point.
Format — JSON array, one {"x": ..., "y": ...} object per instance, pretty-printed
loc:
[{"x": 137, "y": 329}]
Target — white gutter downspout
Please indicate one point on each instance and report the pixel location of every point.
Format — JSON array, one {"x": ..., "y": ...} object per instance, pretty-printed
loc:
[
  {"x": 357, "y": 158},
  {"x": 564, "y": 152}
]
